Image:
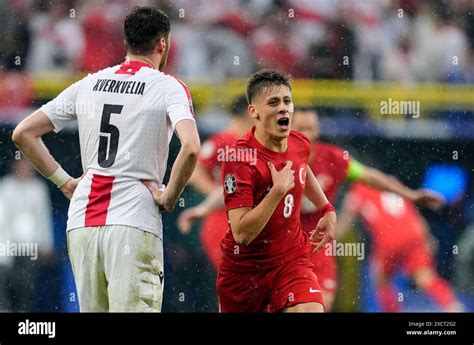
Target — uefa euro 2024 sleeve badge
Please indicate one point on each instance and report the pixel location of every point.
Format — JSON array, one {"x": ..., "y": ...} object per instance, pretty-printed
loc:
[{"x": 230, "y": 184}]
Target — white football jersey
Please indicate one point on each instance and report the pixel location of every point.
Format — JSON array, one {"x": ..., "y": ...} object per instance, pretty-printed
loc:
[{"x": 126, "y": 115}]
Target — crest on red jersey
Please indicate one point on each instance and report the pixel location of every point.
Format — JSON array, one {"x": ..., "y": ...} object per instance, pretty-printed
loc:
[
  {"x": 230, "y": 184},
  {"x": 302, "y": 175}
]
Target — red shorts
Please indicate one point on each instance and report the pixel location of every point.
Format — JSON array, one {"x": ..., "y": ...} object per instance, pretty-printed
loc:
[
  {"x": 325, "y": 267},
  {"x": 213, "y": 231},
  {"x": 411, "y": 258},
  {"x": 269, "y": 290}
]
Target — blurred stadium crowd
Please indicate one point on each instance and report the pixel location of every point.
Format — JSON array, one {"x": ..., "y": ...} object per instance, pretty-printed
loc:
[
  {"x": 395, "y": 40},
  {"x": 400, "y": 41}
]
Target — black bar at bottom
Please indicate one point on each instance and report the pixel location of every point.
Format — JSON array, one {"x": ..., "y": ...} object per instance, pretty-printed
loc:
[{"x": 238, "y": 329}]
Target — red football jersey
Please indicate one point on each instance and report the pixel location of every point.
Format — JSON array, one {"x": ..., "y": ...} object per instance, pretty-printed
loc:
[
  {"x": 245, "y": 184},
  {"x": 391, "y": 220},
  {"x": 329, "y": 164},
  {"x": 213, "y": 152}
]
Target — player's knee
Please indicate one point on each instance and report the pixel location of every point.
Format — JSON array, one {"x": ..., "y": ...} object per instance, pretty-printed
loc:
[
  {"x": 310, "y": 307},
  {"x": 328, "y": 300}
]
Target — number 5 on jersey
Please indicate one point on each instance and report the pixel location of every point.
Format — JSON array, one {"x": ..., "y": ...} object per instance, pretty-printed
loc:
[{"x": 109, "y": 136}]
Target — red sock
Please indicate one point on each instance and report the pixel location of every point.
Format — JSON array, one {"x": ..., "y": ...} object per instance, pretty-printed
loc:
[
  {"x": 441, "y": 293},
  {"x": 387, "y": 298}
]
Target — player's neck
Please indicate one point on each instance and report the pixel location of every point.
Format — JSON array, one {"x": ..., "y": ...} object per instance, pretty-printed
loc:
[
  {"x": 277, "y": 145},
  {"x": 239, "y": 126},
  {"x": 141, "y": 58}
]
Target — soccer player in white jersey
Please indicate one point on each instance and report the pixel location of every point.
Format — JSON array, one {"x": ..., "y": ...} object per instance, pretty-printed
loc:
[{"x": 126, "y": 115}]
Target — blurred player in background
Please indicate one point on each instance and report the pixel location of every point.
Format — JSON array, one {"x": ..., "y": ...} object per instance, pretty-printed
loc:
[
  {"x": 400, "y": 238},
  {"x": 332, "y": 166},
  {"x": 206, "y": 179},
  {"x": 126, "y": 115},
  {"x": 265, "y": 263},
  {"x": 25, "y": 220}
]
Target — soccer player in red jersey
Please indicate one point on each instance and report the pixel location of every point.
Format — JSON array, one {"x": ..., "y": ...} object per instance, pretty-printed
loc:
[
  {"x": 206, "y": 179},
  {"x": 400, "y": 239},
  {"x": 332, "y": 166},
  {"x": 265, "y": 263}
]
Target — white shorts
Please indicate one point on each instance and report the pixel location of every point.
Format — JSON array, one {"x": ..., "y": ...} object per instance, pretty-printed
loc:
[{"x": 117, "y": 268}]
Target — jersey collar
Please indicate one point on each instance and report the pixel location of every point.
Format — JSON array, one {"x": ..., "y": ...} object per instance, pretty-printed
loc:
[{"x": 132, "y": 67}]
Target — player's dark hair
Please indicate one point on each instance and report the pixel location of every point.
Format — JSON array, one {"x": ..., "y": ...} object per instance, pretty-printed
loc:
[
  {"x": 239, "y": 106},
  {"x": 263, "y": 79},
  {"x": 143, "y": 27}
]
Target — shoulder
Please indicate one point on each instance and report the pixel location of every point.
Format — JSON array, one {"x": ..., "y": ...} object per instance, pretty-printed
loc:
[
  {"x": 300, "y": 142},
  {"x": 237, "y": 156},
  {"x": 240, "y": 171},
  {"x": 103, "y": 72},
  {"x": 330, "y": 148},
  {"x": 298, "y": 136},
  {"x": 244, "y": 141},
  {"x": 174, "y": 82},
  {"x": 97, "y": 76}
]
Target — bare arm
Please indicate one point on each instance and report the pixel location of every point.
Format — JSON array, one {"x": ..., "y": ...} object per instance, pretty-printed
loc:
[
  {"x": 27, "y": 137},
  {"x": 246, "y": 223},
  {"x": 326, "y": 228},
  {"x": 313, "y": 190},
  {"x": 377, "y": 179},
  {"x": 213, "y": 201},
  {"x": 184, "y": 164},
  {"x": 182, "y": 169}
]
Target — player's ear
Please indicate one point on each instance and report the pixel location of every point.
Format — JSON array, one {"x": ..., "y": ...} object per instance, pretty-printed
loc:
[
  {"x": 162, "y": 45},
  {"x": 252, "y": 111}
]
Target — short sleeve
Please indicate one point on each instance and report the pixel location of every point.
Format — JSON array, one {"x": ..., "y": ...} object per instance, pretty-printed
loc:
[
  {"x": 238, "y": 180},
  {"x": 62, "y": 109},
  {"x": 304, "y": 142},
  {"x": 179, "y": 106}
]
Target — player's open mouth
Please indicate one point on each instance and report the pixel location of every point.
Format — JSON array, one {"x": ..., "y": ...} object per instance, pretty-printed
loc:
[{"x": 284, "y": 123}]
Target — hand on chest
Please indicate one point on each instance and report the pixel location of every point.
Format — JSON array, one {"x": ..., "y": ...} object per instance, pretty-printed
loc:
[{"x": 265, "y": 184}]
